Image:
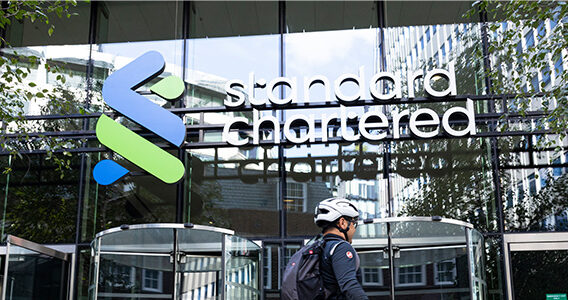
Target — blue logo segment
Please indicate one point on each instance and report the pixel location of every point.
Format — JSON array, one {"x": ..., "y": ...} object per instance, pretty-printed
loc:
[
  {"x": 108, "y": 171},
  {"x": 118, "y": 92}
]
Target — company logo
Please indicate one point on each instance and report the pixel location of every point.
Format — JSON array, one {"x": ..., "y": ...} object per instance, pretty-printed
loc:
[{"x": 119, "y": 93}]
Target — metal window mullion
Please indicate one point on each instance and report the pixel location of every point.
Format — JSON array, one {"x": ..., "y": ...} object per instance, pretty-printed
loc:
[
  {"x": 71, "y": 280},
  {"x": 222, "y": 285},
  {"x": 180, "y": 186},
  {"x": 97, "y": 267},
  {"x": 381, "y": 22},
  {"x": 469, "y": 262},
  {"x": 5, "y": 279},
  {"x": 175, "y": 261},
  {"x": 93, "y": 21}
]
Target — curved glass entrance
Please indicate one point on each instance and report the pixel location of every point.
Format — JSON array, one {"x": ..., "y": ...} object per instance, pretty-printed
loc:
[
  {"x": 421, "y": 258},
  {"x": 173, "y": 261}
]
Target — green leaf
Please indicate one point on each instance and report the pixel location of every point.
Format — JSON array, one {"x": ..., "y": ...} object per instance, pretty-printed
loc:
[{"x": 50, "y": 30}]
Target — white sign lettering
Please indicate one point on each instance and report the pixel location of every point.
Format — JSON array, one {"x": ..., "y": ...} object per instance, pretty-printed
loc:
[{"x": 373, "y": 125}]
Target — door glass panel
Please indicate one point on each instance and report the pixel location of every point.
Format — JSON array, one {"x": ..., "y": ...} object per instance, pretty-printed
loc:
[
  {"x": 200, "y": 269},
  {"x": 32, "y": 275},
  {"x": 477, "y": 262},
  {"x": 199, "y": 277},
  {"x": 407, "y": 234},
  {"x": 371, "y": 241},
  {"x": 538, "y": 273},
  {"x": 432, "y": 261},
  {"x": 439, "y": 272},
  {"x": 171, "y": 262},
  {"x": 135, "y": 276},
  {"x": 155, "y": 240},
  {"x": 242, "y": 260}
]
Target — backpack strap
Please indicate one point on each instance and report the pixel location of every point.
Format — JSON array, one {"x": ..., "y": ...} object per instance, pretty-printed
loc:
[{"x": 333, "y": 248}]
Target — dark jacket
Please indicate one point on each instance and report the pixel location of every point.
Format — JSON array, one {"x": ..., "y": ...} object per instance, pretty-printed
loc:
[{"x": 340, "y": 270}]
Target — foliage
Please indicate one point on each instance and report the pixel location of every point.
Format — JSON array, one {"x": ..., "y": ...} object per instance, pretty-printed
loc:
[
  {"x": 526, "y": 43},
  {"x": 453, "y": 175},
  {"x": 18, "y": 92},
  {"x": 530, "y": 213},
  {"x": 43, "y": 214}
]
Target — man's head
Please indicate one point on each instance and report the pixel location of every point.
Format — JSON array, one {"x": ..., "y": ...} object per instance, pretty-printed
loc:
[{"x": 337, "y": 215}]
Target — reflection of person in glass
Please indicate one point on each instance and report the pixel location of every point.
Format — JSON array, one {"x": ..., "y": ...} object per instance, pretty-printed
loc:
[{"x": 339, "y": 263}]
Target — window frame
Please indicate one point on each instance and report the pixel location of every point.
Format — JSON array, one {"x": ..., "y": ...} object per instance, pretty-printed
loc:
[
  {"x": 372, "y": 283},
  {"x": 422, "y": 277},
  {"x": 454, "y": 273},
  {"x": 304, "y": 205},
  {"x": 160, "y": 278}
]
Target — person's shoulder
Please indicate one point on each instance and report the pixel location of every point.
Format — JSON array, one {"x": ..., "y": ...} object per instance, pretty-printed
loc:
[
  {"x": 342, "y": 246},
  {"x": 343, "y": 253}
]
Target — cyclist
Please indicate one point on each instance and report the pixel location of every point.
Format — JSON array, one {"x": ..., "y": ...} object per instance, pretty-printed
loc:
[{"x": 340, "y": 263}]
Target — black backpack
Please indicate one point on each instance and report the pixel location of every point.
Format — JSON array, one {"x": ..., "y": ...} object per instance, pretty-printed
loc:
[{"x": 302, "y": 278}]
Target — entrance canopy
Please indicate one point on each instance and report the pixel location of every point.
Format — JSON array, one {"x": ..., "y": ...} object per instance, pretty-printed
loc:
[{"x": 181, "y": 261}]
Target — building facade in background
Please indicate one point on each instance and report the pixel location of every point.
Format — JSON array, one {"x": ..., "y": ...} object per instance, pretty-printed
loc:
[{"x": 498, "y": 181}]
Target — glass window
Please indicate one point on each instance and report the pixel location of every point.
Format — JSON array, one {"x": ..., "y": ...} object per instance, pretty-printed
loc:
[
  {"x": 530, "y": 272},
  {"x": 427, "y": 34},
  {"x": 537, "y": 203},
  {"x": 68, "y": 31},
  {"x": 410, "y": 276},
  {"x": 519, "y": 53},
  {"x": 529, "y": 39},
  {"x": 457, "y": 33},
  {"x": 545, "y": 76},
  {"x": 270, "y": 266},
  {"x": 535, "y": 84},
  {"x": 152, "y": 280},
  {"x": 41, "y": 200},
  {"x": 136, "y": 198},
  {"x": 224, "y": 186},
  {"x": 52, "y": 66},
  {"x": 554, "y": 21},
  {"x": 310, "y": 16},
  {"x": 122, "y": 276},
  {"x": 445, "y": 272},
  {"x": 226, "y": 43},
  {"x": 541, "y": 30},
  {"x": 153, "y": 21},
  {"x": 444, "y": 178},
  {"x": 295, "y": 197},
  {"x": 329, "y": 170},
  {"x": 558, "y": 68},
  {"x": 289, "y": 250},
  {"x": 372, "y": 276}
]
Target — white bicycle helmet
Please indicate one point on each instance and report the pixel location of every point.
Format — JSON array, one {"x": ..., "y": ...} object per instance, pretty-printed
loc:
[{"x": 329, "y": 210}]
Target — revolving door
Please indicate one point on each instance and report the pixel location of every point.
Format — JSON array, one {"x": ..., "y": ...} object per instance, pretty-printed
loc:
[
  {"x": 173, "y": 261},
  {"x": 421, "y": 258}
]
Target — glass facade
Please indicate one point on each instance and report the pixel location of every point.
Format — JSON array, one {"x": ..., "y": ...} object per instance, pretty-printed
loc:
[{"x": 501, "y": 182}]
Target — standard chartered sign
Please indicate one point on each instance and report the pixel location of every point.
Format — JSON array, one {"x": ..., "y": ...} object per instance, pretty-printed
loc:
[{"x": 372, "y": 125}]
